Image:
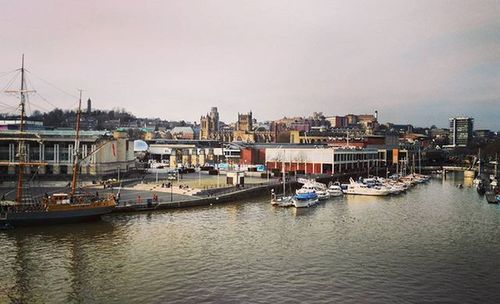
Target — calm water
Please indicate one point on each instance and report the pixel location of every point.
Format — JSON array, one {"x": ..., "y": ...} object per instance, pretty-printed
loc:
[{"x": 437, "y": 243}]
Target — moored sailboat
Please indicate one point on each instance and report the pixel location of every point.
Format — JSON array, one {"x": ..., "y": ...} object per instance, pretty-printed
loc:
[{"x": 281, "y": 200}]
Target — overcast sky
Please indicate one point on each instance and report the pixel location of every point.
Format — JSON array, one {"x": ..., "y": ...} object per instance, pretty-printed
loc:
[{"x": 413, "y": 61}]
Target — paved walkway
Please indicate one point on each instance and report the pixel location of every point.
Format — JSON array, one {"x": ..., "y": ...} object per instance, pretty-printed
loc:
[{"x": 158, "y": 188}]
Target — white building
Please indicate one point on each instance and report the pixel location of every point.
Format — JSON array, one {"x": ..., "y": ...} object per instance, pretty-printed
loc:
[
  {"x": 323, "y": 160},
  {"x": 101, "y": 152}
]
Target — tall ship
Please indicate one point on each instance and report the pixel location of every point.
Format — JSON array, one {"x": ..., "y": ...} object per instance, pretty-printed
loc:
[{"x": 62, "y": 207}]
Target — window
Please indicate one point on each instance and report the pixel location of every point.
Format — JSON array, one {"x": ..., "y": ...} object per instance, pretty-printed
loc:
[
  {"x": 63, "y": 153},
  {"x": 34, "y": 152},
  {"x": 49, "y": 152},
  {"x": 4, "y": 152}
]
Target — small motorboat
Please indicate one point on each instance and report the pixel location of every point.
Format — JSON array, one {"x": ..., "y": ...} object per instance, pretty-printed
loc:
[
  {"x": 492, "y": 197},
  {"x": 305, "y": 199},
  {"x": 281, "y": 201}
]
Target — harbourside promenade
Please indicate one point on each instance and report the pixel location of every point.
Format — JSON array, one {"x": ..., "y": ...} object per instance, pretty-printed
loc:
[
  {"x": 224, "y": 195},
  {"x": 195, "y": 197},
  {"x": 192, "y": 190}
]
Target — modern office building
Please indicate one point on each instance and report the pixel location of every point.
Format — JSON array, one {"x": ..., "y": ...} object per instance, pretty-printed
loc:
[{"x": 461, "y": 131}]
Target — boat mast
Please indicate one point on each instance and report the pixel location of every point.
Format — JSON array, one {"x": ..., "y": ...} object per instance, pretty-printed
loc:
[
  {"x": 496, "y": 165},
  {"x": 413, "y": 164},
  {"x": 479, "y": 162},
  {"x": 77, "y": 146},
  {"x": 419, "y": 159},
  {"x": 21, "y": 152},
  {"x": 284, "y": 174}
]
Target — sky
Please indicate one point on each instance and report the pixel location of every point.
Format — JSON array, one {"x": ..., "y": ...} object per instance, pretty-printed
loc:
[{"x": 417, "y": 62}]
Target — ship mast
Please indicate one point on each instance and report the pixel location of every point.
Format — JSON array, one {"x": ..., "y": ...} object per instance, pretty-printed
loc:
[
  {"x": 22, "y": 150},
  {"x": 77, "y": 146},
  {"x": 21, "y": 154}
]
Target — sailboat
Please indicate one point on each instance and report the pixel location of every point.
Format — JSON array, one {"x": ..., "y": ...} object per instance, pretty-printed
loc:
[
  {"x": 58, "y": 207},
  {"x": 282, "y": 200},
  {"x": 478, "y": 179}
]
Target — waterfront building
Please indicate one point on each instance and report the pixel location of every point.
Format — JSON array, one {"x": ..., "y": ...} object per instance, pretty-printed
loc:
[
  {"x": 461, "y": 131},
  {"x": 344, "y": 138},
  {"x": 102, "y": 152},
  {"x": 310, "y": 160},
  {"x": 187, "y": 153}
]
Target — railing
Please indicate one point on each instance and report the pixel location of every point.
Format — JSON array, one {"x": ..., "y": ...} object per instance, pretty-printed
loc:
[{"x": 456, "y": 168}]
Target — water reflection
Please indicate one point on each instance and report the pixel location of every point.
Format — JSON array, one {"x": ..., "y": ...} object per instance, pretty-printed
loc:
[
  {"x": 48, "y": 262},
  {"x": 433, "y": 243},
  {"x": 304, "y": 211},
  {"x": 468, "y": 182}
]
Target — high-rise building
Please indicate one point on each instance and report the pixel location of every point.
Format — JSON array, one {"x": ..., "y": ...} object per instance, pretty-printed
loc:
[{"x": 461, "y": 130}]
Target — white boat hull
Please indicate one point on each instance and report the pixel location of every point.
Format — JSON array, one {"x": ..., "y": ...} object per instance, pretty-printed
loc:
[
  {"x": 282, "y": 201},
  {"x": 366, "y": 193},
  {"x": 304, "y": 203},
  {"x": 323, "y": 196},
  {"x": 336, "y": 193}
]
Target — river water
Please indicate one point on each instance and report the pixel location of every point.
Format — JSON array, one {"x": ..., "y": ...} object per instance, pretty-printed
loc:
[{"x": 436, "y": 243}]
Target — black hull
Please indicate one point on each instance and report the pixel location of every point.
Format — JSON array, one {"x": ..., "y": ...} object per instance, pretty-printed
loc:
[
  {"x": 145, "y": 207},
  {"x": 53, "y": 217},
  {"x": 491, "y": 198}
]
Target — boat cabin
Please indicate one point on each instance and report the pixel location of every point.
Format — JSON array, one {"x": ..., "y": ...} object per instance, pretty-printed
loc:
[{"x": 60, "y": 198}]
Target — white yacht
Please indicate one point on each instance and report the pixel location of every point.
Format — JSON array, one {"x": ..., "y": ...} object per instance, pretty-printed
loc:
[
  {"x": 358, "y": 188},
  {"x": 335, "y": 190}
]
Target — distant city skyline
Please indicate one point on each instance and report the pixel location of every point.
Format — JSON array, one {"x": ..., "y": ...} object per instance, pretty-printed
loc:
[{"x": 415, "y": 62}]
